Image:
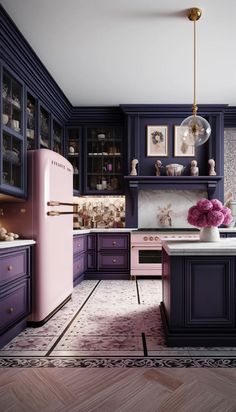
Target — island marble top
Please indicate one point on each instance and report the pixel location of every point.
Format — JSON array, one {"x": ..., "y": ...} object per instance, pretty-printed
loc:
[{"x": 224, "y": 247}]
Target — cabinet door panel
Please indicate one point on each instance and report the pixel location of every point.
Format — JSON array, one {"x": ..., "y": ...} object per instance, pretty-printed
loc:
[
  {"x": 79, "y": 243},
  {"x": 14, "y": 304},
  {"x": 12, "y": 266},
  {"x": 79, "y": 266}
]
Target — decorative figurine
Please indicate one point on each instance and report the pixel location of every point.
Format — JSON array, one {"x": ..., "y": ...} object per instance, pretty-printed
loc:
[
  {"x": 194, "y": 171},
  {"x": 134, "y": 163},
  {"x": 211, "y": 163},
  {"x": 158, "y": 166}
]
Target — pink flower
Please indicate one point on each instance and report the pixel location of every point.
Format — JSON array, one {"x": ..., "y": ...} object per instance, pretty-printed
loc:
[
  {"x": 204, "y": 205},
  {"x": 227, "y": 215},
  {"x": 208, "y": 213},
  {"x": 217, "y": 205},
  {"x": 215, "y": 218}
]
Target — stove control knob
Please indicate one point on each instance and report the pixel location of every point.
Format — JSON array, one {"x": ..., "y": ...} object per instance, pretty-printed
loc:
[
  {"x": 156, "y": 238},
  {"x": 151, "y": 238},
  {"x": 145, "y": 238}
]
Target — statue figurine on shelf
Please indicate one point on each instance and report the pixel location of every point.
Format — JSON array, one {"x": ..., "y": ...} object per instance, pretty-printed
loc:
[
  {"x": 211, "y": 163},
  {"x": 158, "y": 166},
  {"x": 194, "y": 171},
  {"x": 134, "y": 163}
]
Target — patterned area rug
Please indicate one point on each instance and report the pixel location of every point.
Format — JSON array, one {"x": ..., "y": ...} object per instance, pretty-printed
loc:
[{"x": 108, "y": 324}]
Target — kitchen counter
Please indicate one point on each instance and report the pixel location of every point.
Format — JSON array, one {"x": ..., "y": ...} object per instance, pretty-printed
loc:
[
  {"x": 16, "y": 243},
  {"x": 83, "y": 231},
  {"x": 194, "y": 247}
]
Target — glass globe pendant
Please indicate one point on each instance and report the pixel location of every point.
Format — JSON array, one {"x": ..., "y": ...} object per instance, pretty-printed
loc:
[{"x": 196, "y": 129}]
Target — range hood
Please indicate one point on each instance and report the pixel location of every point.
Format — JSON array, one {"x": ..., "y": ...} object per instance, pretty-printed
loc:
[{"x": 136, "y": 183}]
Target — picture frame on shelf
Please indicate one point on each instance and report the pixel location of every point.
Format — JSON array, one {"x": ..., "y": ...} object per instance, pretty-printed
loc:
[
  {"x": 181, "y": 148},
  {"x": 157, "y": 140}
]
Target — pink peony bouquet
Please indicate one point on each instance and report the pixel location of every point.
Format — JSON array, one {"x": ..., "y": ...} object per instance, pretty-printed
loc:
[{"x": 207, "y": 213}]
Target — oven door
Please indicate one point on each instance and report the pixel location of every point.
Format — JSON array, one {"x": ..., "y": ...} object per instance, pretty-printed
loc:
[{"x": 146, "y": 261}]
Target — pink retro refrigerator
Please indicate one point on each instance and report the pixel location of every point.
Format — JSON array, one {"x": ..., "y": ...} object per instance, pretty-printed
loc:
[{"x": 47, "y": 217}]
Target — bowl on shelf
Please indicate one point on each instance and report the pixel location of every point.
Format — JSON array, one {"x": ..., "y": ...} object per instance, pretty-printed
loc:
[{"x": 174, "y": 169}]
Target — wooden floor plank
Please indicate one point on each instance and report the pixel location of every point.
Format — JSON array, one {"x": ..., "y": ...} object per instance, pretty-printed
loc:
[{"x": 117, "y": 390}]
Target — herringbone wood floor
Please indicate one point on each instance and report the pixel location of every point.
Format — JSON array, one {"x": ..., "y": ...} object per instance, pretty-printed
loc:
[{"x": 113, "y": 390}]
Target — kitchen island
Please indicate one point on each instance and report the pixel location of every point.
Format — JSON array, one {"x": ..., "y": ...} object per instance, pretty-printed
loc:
[{"x": 199, "y": 297}]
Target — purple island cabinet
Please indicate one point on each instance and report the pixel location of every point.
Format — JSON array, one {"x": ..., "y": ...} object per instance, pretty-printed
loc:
[{"x": 199, "y": 297}]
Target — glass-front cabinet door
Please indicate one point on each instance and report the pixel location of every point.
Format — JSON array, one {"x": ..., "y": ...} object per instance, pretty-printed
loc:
[
  {"x": 44, "y": 128},
  {"x": 12, "y": 178},
  {"x": 31, "y": 122},
  {"x": 57, "y": 136},
  {"x": 12, "y": 161},
  {"x": 11, "y": 103},
  {"x": 104, "y": 160},
  {"x": 73, "y": 154}
]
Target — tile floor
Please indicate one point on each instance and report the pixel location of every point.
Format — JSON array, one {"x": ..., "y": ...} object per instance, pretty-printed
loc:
[{"x": 113, "y": 318}]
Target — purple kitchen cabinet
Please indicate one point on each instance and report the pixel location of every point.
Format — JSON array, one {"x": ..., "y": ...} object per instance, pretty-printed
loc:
[
  {"x": 108, "y": 256},
  {"x": 198, "y": 307},
  {"x": 15, "y": 299},
  {"x": 113, "y": 262},
  {"x": 79, "y": 257},
  {"x": 114, "y": 241}
]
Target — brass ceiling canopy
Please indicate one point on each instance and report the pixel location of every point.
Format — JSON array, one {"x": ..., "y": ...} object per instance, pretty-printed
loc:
[{"x": 194, "y": 14}]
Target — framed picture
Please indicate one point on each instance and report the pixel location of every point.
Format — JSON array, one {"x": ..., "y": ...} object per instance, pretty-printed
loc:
[
  {"x": 181, "y": 147},
  {"x": 157, "y": 141}
]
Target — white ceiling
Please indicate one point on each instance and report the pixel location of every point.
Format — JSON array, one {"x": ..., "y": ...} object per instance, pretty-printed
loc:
[{"x": 108, "y": 52}]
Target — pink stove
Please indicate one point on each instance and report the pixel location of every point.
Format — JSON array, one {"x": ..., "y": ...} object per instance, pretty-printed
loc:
[{"x": 146, "y": 250}]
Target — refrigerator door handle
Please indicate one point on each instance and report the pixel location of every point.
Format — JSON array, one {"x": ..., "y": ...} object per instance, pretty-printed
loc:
[
  {"x": 57, "y": 203},
  {"x": 56, "y": 213}
]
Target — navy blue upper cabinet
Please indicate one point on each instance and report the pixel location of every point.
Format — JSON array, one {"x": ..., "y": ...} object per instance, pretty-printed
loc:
[
  {"x": 104, "y": 160},
  {"x": 12, "y": 177},
  {"x": 73, "y": 154},
  {"x": 31, "y": 121},
  {"x": 57, "y": 137}
]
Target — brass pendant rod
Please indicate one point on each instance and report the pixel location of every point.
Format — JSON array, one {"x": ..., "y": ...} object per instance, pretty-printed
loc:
[{"x": 194, "y": 70}]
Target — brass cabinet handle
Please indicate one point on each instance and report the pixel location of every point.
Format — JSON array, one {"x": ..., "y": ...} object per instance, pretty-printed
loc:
[
  {"x": 114, "y": 243},
  {"x": 10, "y": 310},
  {"x": 9, "y": 268},
  {"x": 78, "y": 244},
  {"x": 113, "y": 260}
]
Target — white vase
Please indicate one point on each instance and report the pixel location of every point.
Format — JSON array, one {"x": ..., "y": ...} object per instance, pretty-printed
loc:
[{"x": 209, "y": 234}]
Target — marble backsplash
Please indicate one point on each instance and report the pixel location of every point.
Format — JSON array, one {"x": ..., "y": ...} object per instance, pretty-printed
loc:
[
  {"x": 99, "y": 212},
  {"x": 230, "y": 161},
  {"x": 166, "y": 208}
]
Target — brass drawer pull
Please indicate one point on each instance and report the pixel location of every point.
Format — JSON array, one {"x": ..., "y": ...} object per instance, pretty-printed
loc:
[
  {"x": 114, "y": 243},
  {"x": 9, "y": 268},
  {"x": 113, "y": 260},
  {"x": 10, "y": 310}
]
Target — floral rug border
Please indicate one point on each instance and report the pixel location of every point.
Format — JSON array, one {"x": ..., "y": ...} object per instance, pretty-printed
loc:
[{"x": 90, "y": 362}]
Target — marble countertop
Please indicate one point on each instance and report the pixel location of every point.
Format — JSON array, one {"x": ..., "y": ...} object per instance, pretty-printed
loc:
[
  {"x": 16, "y": 243},
  {"x": 102, "y": 230},
  {"x": 224, "y": 247}
]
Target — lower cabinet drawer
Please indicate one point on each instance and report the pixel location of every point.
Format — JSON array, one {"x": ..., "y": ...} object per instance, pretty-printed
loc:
[
  {"x": 115, "y": 261},
  {"x": 79, "y": 265},
  {"x": 14, "y": 304},
  {"x": 12, "y": 266}
]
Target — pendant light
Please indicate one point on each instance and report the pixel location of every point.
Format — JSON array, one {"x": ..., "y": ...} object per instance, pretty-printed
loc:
[{"x": 197, "y": 130}]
